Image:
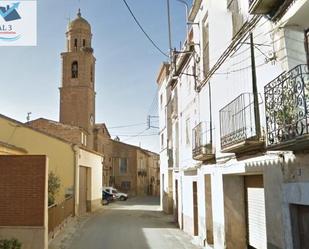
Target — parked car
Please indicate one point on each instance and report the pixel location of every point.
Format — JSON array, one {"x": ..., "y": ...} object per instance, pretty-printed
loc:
[
  {"x": 119, "y": 195},
  {"x": 107, "y": 197}
]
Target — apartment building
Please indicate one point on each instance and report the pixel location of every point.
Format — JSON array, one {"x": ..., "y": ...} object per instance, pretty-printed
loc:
[{"x": 234, "y": 124}]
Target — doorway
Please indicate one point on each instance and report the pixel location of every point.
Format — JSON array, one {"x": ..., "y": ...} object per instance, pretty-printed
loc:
[
  {"x": 208, "y": 209},
  {"x": 176, "y": 200},
  {"x": 195, "y": 209},
  {"x": 255, "y": 205},
  {"x": 300, "y": 226},
  {"x": 82, "y": 190}
]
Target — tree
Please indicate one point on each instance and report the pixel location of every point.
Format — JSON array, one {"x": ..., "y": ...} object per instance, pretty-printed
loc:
[
  {"x": 10, "y": 244},
  {"x": 53, "y": 187}
]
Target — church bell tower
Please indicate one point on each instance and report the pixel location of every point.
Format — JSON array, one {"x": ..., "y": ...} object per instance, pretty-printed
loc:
[{"x": 77, "y": 94}]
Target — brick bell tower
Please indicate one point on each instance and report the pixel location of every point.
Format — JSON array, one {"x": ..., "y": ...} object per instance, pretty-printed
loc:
[{"x": 77, "y": 94}]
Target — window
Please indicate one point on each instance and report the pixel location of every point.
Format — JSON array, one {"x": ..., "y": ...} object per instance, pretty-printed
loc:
[
  {"x": 237, "y": 18},
  {"x": 123, "y": 166},
  {"x": 75, "y": 43},
  {"x": 161, "y": 100},
  {"x": 91, "y": 78},
  {"x": 74, "y": 70},
  {"x": 84, "y": 43},
  {"x": 188, "y": 129},
  {"x": 162, "y": 140},
  {"x": 83, "y": 139},
  {"x": 205, "y": 47}
]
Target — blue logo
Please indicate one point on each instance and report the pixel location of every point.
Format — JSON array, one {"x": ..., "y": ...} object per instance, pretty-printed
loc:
[{"x": 9, "y": 13}]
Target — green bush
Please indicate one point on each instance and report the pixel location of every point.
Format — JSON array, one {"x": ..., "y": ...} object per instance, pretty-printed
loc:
[
  {"x": 10, "y": 244},
  {"x": 53, "y": 187}
]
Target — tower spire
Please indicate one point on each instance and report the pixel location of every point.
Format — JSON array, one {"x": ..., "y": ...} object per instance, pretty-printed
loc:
[{"x": 78, "y": 13}]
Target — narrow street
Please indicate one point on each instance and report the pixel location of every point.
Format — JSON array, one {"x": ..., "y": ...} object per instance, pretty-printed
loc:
[{"x": 136, "y": 223}]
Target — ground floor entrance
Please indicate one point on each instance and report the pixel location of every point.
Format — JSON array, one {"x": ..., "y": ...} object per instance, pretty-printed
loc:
[
  {"x": 255, "y": 207},
  {"x": 83, "y": 187}
]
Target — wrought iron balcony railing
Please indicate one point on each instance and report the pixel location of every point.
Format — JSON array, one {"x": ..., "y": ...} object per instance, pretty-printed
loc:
[
  {"x": 202, "y": 148},
  {"x": 287, "y": 109},
  {"x": 238, "y": 125}
]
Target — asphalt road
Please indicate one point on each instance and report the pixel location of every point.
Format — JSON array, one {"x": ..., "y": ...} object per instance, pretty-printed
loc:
[{"x": 134, "y": 224}]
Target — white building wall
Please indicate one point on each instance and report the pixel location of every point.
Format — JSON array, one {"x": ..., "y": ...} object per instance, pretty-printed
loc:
[
  {"x": 95, "y": 163},
  {"x": 277, "y": 48},
  {"x": 164, "y": 128}
]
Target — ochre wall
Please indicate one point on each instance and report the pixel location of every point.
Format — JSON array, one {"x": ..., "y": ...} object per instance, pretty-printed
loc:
[{"x": 60, "y": 154}]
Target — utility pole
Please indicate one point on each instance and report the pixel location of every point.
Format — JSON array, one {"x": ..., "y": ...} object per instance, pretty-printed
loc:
[
  {"x": 255, "y": 90},
  {"x": 169, "y": 28}
]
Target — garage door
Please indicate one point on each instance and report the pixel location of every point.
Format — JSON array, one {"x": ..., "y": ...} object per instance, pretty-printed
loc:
[
  {"x": 256, "y": 212},
  {"x": 82, "y": 190}
]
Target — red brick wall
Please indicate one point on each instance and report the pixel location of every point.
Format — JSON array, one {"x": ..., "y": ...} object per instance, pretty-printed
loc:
[
  {"x": 22, "y": 190},
  {"x": 68, "y": 133}
]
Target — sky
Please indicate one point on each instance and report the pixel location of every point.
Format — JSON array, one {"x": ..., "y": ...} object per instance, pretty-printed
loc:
[{"x": 126, "y": 67}]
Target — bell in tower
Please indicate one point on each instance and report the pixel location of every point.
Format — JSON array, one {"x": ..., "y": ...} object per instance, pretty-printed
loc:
[{"x": 77, "y": 94}]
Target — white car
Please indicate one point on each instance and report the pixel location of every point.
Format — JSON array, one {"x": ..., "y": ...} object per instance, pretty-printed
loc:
[{"x": 114, "y": 191}]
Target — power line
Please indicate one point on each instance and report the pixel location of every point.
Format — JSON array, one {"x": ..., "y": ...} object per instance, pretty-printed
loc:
[
  {"x": 142, "y": 135},
  {"x": 142, "y": 29},
  {"x": 125, "y": 126},
  {"x": 137, "y": 135}
]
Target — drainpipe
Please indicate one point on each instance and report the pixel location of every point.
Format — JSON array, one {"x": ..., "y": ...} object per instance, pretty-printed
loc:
[
  {"x": 210, "y": 115},
  {"x": 169, "y": 28},
  {"x": 75, "y": 149}
]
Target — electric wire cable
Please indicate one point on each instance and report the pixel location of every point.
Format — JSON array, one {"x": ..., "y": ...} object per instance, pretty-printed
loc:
[
  {"x": 143, "y": 135},
  {"x": 137, "y": 135},
  {"x": 142, "y": 29},
  {"x": 125, "y": 126}
]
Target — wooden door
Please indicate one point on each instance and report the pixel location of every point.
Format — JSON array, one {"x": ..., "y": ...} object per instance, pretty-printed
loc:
[
  {"x": 303, "y": 226},
  {"x": 82, "y": 190},
  {"x": 176, "y": 200},
  {"x": 195, "y": 209}
]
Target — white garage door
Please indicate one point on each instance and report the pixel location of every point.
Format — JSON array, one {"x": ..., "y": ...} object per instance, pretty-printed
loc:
[{"x": 256, "y": 218}]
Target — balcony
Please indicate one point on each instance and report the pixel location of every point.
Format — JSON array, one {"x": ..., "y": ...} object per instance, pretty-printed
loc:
[
  {"x": 263, "y": 7},
  {"x": 286, "y": 107},
  {"x": 202, "y": 149},
  {"x": 239, "y": 132},
  {"x": 274, "y": 9}
]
